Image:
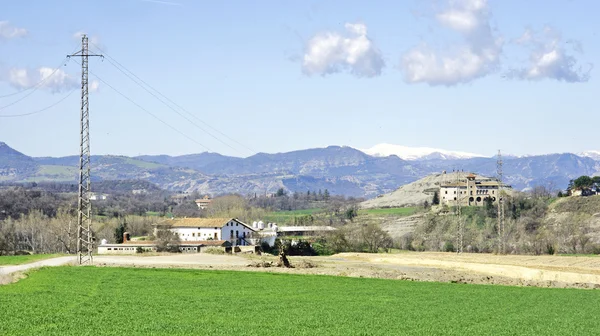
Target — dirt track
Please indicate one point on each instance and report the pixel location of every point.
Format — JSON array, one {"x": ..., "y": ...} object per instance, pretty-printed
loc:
[{"x": 542, "y": 271}]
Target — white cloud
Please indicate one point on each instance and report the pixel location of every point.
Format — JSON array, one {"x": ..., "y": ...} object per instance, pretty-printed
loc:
[
  {"x": 8, "y": 31},
  {"x": 549, "y": 58},
  {"x": 477, "y": 55},
  {"x": 332, "y": 52},
  {"x": 52, "y": 80}
]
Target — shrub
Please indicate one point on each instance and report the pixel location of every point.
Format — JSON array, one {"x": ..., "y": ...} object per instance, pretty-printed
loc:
[
  {"x": 214, "y": 250},
  {"x": 139, "y": 249},
  {"x": 449, "y": 247},
  {"x": 322, "y": 249}
]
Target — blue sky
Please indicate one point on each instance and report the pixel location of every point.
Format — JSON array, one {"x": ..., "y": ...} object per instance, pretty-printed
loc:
[{"x": 467, "y": 75}]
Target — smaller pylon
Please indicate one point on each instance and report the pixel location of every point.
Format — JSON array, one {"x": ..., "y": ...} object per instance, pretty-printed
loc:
[{"x": 501, "y": 200}]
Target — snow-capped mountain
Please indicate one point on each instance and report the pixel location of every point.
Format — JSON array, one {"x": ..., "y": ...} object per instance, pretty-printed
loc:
[
  {"x": 592, "y": 154},
  {"x": 417, "y": 153}
]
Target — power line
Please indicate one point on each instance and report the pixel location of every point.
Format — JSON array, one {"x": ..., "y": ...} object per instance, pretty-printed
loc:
[
  {"x": 148, "y": 112},
  {"x": 38, "y": 111},
  {"x": 34, "y": 89},
  {"x": 35, "y": 86},
  {"x": 130, "y": 73}
]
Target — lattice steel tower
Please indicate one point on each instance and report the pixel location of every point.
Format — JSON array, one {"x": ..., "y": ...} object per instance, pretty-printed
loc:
[
  {"x": 85, "y": 239},
  {"x": 501, "y": 196}
]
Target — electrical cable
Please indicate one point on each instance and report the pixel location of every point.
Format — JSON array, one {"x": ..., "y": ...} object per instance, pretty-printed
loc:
[
  {"x": 38, "y": 111},
  {"x": 145, "y": 110},
  {"x": 34, "y": 89},
  {"x": 124, "y": 70}
]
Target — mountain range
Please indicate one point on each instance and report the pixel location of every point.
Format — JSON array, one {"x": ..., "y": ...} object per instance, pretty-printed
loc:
[{"x": 341, "y": 170}]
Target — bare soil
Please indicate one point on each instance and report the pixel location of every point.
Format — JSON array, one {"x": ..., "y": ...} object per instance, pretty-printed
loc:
[{"x": 539, "y": 271}]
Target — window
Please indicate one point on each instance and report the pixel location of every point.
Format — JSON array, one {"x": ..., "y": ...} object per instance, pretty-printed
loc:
[
  {"x": 471, "y": 192},
  {"x": 454, "y": 192},
  {"x": 478, "y": 199},
  {"x": 236, "y": 224},
  {"x": 109, "y": 249},
  {"x": 455, "y": 198},
  {"x": 492, "y": 191},
  {"x": 193, "y": 235},
  {"x": 446, "y": 192}
]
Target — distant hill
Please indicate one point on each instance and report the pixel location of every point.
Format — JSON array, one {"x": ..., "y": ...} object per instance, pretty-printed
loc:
[
  {"x": 414, "y": 193},
  {"x": 14, "y": 164},
  {"x": 340, "y": 169}
]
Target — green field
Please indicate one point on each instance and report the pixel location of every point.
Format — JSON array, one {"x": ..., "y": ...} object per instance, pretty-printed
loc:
[
  {"x": 24, "y": 259},
  {"x": 390, "y": 211},
  {"x": 54, "y": 173},
  {"x": 288, "y": 216},
  {"x": 127, "y": 301}
]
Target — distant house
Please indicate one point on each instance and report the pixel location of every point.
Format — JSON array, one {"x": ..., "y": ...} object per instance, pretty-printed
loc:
[
  {"x": 584, "y": 192},
  {"x": 98, "y": 197},
  {"x": 203, "y": 203},
  {"x": 194, "y": 229}
]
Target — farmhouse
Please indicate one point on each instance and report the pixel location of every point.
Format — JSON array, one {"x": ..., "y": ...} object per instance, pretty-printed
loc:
[
  {"x": 195, "y": 229},
  {"x": 470, "y": 192}
]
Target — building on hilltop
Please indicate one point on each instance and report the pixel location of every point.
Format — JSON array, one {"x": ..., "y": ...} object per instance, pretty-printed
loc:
[
  {"x": 470, "y": 191},
  {"x": 203, "y": 203}
]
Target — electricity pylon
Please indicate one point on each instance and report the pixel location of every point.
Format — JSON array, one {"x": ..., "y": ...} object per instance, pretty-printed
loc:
[{"x": 85, "y": 239}]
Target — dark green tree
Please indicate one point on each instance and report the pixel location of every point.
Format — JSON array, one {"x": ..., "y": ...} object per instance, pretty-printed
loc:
[
  {"x": 120, "y": 230},
  {"x": 351, "y": 213},
  {"x": 326, "y": 195},
  {"x": 280, "y": 192},
  {"x": 436, "y": 198},
  {"x": 583, "y": 182}
]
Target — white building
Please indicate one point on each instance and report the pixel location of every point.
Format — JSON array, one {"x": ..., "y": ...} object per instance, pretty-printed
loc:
[
  {"x": 471, "y": 191},
  {"x": 98, "y": 197},
  {"x": 201, "y": 229}
]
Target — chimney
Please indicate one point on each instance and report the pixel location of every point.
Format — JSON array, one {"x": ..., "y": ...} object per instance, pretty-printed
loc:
[{"x": 125, "y": 237}]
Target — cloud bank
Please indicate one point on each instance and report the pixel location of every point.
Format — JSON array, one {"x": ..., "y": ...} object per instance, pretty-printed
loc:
[
  {"x": 353, "y": 51},
  {"x": 550, "y": 59},
  {"x": 476, "y": 55}
]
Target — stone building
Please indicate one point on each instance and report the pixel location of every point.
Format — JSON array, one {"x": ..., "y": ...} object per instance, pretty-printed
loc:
[{"x": 470, "y": 191}]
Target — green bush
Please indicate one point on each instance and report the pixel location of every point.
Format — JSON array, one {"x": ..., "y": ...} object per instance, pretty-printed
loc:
[
  {"x": 214, "y": 250},
  {"x": 449, "y": 247},
  {"x": 139, "y": 249},
  {"x": 322, "y": 249}
]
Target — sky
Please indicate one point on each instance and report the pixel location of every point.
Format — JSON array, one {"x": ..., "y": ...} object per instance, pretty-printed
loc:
[{"x": 240, "y": 77}]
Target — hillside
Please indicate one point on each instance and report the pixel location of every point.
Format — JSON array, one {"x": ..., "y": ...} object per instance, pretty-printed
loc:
[
  {"x": 14, "y": 164},
  {"x": 415, "y": 193},
  {"x": 340, "y": 169}
]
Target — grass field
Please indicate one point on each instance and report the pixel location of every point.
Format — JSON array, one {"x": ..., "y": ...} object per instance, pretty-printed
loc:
[
  {"x": 390, "y": 211},
  {"x": 125, "y": 301},
  {"x": 287, "y": 217},
  {"x": 54, "y": 173},
  {"x": 24, "y": 259}
]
